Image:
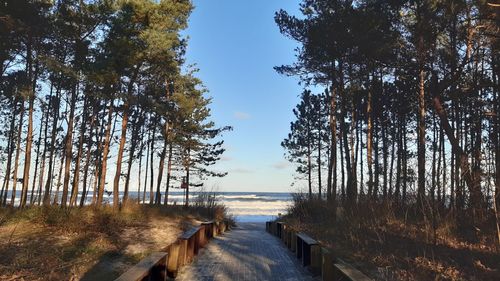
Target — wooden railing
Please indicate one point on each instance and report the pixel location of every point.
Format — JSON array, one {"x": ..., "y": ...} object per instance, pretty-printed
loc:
[
  {"x": 159, "y": 265},
  {"x": 153, "y": 267},
  {"x": 319, "y": 260}
]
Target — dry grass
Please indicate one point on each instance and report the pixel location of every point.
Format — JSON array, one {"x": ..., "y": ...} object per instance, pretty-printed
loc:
[
  {"x": 50, "y": 243},
  {"x": 394, "y": 243}
]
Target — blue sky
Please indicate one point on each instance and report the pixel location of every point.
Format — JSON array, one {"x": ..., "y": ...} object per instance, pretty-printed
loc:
[{"x": 236, "y": 44}]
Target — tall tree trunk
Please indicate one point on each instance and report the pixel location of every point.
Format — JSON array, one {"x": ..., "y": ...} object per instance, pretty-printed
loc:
[
  {"x": 342, "y": 170},
  {"x": 88, "y": 159},
  {"x": 104, "y": 161},
  {"x": 421, "y": 136},
  {"x": 29, "y": 135},
  {"x": 18, "y": 152},
  {"x": 332, "y": 169},
  {"x": 27, "y": 154},
  {"x": 397, "y": 192},
  {"x": 119, "y": 159},
  {"x": 55, "y": 120},
  {"x": 188, "y": 167},
  {"x": 369, "y": 142},
  {"x": 147, "y": 165},
  {"x": 151, "y": 166},
  {"x": 68, "y": 146},
  {"x": 391, "y": 169},
  {"x": 309, "y": 160},
  {"x": 169, "y": 171},
  {"x": 10, "y": 150},
  {"x": 44, "y": 153},
  {"x": 319, "y": 156},
  {"x": 58, "y": 183},
  {"x": 384, "y": 156},
  {"x": 434, "y": 150},
  {"x": 161, "y": 166},
  {"x": 133, "y": 144},
  {"x": 76, "y": 177},
  {"x": 343, "y": 127},
  {"x": 462, "y": 159},
  {"x": 37, "y": 159},
  {"x": 405, "y": 163}
]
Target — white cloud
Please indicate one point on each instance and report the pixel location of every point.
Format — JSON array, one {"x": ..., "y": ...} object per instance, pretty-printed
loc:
[
  {"x": 241, "y": 171},
  {"x": 281, "y": 165},
  {"x": 241, "y": 115},
  {"x": 226, "y": 158}
]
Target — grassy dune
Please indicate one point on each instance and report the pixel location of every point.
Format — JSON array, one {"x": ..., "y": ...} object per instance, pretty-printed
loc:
[
  {"x": 50, "y": 243},
  {"x": 391, "y": 243}
]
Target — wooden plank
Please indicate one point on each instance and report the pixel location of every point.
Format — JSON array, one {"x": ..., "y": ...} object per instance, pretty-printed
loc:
[
  {"x": 307, "y": 239},
  {"x": 190, "y": 233},
  {"x": 144, "y": 267},
  {"x": 350, "y": 272}
]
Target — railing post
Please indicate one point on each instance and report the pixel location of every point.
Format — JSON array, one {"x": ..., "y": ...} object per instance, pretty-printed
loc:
[
  {"x": 293, "y": 242},
  {"x": 315, "y": 259},
  {"x": 183, "y": 245},
  {"x": 173, "y": 260},
  {"x": 327, "y": 272}
]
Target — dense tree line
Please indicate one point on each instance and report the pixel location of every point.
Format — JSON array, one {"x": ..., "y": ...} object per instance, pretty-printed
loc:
[
  {"x": 410, "y": 114},
  {"x": 97, "y": 89}
]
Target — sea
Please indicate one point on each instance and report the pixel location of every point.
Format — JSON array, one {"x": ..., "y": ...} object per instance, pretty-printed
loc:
[
  {"x": 243, "y": 206},
  {"x": 246, "y": 206}
]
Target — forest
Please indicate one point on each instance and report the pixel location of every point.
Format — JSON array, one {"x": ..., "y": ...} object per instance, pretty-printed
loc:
[
  {"x": 399, "y": 112},
  {"x": 97, "y": 90}
]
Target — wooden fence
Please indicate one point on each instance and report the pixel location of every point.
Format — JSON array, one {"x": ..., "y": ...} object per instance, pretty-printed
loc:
[
  {"x": 160, "y": 265},
  {"x": 318, "y": 259}
]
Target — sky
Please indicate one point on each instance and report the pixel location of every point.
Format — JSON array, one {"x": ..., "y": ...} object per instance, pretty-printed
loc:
[{"x": 236, "y": 44}]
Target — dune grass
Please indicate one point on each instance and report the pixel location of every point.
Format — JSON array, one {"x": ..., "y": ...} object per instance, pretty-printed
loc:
[
  {"x": 390, "y": 242},
  {"x": 51, "y": 243}
]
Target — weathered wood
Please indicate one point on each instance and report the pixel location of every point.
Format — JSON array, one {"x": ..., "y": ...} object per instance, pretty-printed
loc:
[
  {"x": 183, "y": 245},
  {"x": 344, "y": 270},
  {"x": 190, "y": 233},
  {"x": 152, "y": 266},
  {"x": 293, "y": 242},
  {"x": 307, "y": 239},
  {"x": 173, "y": 260},
  {"x": 191, "y": 245},
  {"x": 298, "y": 246},
  {"x": 279, "y": 229},
  {"x": 209, "y": 229},
  {"x": 202, "y": 237},
  {"x": 284, "y": 231},
  {"x": 316, "y": 259},
  {"x": 327, "y": 270}
]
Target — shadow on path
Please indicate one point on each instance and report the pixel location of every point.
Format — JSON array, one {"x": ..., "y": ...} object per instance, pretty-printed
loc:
[{"x": 247, "y": 252}]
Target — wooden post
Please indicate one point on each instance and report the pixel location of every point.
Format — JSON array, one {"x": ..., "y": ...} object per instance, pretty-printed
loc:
[
  {"x": 190, "y": 249},
  {"x": 298, "y": 247},
  {"x": 327, "y": 272},
  {"x": 173, "y": 260},
  {"x": 202, "y": 234},
  {"x": 293, "y": 242},
  {"x": 316, "y": 260},
  {"x": 183, "y": 244}
]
